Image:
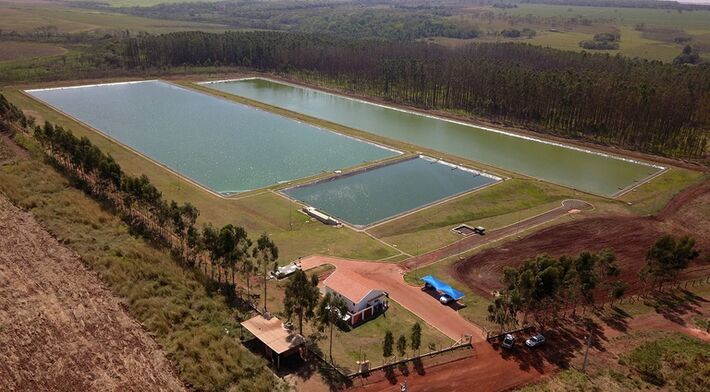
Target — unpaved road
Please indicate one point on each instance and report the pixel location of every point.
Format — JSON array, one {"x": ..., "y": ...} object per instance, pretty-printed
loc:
[
  {"x": 688, "y": 213},
  {"x": 60, "y": 328},
  {"x": 487, "y": 368},
  {"x": 388, "y": 277},
  {"x": 475, "y": 240}
]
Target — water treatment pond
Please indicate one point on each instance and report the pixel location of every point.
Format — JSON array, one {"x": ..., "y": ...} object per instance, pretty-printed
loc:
[
  {"x": 376, "y": 194},
  {"x": 588, "y": 171},
  {"x": 225, "y": 146}
]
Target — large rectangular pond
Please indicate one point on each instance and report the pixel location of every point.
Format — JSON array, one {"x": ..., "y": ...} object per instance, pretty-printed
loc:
[
  {"x": 376, "y": 194},
  {"x": 573, "y": 167},
  {"x": 222, "y": 145}
]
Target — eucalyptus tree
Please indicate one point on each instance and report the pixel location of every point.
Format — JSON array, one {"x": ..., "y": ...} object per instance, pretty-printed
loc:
[
  {"x": 331, "y": 310},
  {"x": 266, "y": 253},
  {"x": 301, "y": 297}
]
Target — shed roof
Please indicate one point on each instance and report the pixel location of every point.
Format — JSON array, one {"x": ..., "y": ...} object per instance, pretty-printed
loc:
[
  {"x": 272, "y": 333},
  {"x": 443, "y": 287}
]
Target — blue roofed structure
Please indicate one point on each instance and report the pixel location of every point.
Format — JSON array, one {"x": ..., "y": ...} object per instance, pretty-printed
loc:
[{"x": 442, "y": 287}]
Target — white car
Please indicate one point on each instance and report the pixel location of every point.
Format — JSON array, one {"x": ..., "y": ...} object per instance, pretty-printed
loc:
[
  {"x": 445, "y": 299},
  {"x": 535, "y": 341},
  {"x": 508, "y": 341}
]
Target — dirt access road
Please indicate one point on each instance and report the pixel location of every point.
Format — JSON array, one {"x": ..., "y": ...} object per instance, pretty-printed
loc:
[
  {"x": 388, "y": 277},
  {"x": 688, "y": 213},
  {"x": 490, "y": 370},
  {"x": 474, "y": 241},
  {"x": 60, "y": 328}
]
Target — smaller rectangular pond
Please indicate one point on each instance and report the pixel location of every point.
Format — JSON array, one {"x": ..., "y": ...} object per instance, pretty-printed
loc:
[{"x": 379, "y": 193}]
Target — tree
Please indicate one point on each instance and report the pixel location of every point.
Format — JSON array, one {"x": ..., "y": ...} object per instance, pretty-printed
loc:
[
  {"x": 330, "y": 312},
  {"x": 210, "y": 240},
  {"x": 301, "y": 297},
  {"x": 617, "y": 290},
  {"x": 499, "y": 312},
  {"x": 667, "y": 258},
  {"x": 401, "y": 345},
  {"x": 388, "y": 344},
  {"x": 266, "y": 253},
  {"x": 416, "y": 337}
]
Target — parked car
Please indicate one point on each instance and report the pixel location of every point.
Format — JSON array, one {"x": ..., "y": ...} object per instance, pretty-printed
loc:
[
  {"x": 479, "y": 230},
  {"x": 535, "y": 341},
  {"x": 508, "y": 341},
  {"x": 445, "y": 299},
  {"x": 426, "y": 287}
]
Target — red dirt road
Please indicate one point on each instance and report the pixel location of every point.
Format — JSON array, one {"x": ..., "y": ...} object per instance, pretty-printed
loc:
[
  {"x": 630, "y": 237},
  {"x": 489, "y": 370},
  {"x": 389, "y": 277},
  {"x": 486, "y": 371},
  {"x": 474, "y": 241}
]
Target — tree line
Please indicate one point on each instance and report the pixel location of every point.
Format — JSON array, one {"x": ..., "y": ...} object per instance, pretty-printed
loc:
[
  {"x": 632, "y": 103},
  {"x": 220, "y": 253},
  {"x": 548, "y": 288}
]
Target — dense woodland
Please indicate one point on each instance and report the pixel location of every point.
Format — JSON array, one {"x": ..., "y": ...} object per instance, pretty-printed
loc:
[{"x": 636, "y": 104}]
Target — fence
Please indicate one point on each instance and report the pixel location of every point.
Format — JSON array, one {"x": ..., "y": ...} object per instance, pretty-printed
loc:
[{"x": 461, "y": 344}]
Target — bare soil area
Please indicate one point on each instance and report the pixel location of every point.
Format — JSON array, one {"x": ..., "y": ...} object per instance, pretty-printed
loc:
[
  {"x": 60, "y": 328},
  {"x": 688, "y": 213},
  {"x": 10, "y": 50}
]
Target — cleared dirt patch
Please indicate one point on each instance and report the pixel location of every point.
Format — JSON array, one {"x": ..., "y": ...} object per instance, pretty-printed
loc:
[
  {"x": 60, "y": 328},
  {"x": 630, "y": 237},
  {"x": 10, "y": 50}
]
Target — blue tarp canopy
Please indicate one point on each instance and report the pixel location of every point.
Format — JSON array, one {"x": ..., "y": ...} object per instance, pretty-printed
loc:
[{"x": 443, "y": 287}]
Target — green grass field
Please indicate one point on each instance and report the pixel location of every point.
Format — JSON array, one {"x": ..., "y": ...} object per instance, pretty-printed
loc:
[
  {"x": 694, "y": 23},
  {"x": 25, "y": 18}
]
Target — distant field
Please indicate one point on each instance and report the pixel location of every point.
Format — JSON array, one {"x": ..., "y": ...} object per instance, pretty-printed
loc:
[
  {"x": 10, "y": 50},
  {"x": 696, "y": 24},
  {"x": 25, "y": 18},
  {"x": 146, "y": 3},
  {"x": 626, "y": 16}
]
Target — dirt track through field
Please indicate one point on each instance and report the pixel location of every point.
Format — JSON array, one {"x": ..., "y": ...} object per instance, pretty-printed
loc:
[
  {"x": 60, "y": 328},
  {"x": 473, "y": 241},
  {"x": 629, "y": 236}
]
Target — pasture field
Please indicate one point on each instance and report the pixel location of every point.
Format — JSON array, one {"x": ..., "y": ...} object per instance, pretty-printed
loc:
[
  {"x": 24, "y": 18},
  {"x": 560, "y": 27},
  {"x": 696, "y": 24},
  {"x": 10, "y": 50}
]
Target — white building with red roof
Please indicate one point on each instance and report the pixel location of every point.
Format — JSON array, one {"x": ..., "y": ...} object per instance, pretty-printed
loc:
[{"x": 362, "y": 297}]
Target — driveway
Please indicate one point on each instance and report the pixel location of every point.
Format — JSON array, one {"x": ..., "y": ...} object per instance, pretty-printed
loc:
[{"x": 389, "y": 277}]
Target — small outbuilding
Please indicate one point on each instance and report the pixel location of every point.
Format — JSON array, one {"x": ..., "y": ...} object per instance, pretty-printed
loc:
[
  {"x": 275, "y": 338},
  {"x": 362, "y": 299}
]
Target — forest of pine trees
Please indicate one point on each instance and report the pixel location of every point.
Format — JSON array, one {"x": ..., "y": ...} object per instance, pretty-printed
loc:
[{"x": 635, "y": 104}]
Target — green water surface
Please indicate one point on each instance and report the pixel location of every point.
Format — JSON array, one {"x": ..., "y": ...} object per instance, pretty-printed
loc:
[
  {"x": 586, "y": 171},
  {"x": 380, "y": 193},
  {"x": 223, "y": 145}
]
